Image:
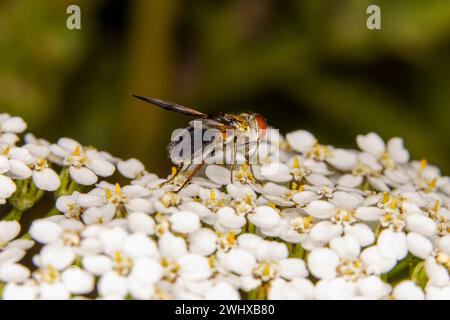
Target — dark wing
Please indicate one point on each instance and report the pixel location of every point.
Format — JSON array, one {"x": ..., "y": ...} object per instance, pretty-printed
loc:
[
  {"x": 212, "y": 123},
  {"x": 173, "y": 107}
]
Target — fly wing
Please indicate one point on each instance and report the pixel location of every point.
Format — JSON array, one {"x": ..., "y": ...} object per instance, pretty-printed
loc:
[
  {"x": 189, "y": 146},
  {"x": 212, "y": 124},
  {"x": 171, "y": 106}
]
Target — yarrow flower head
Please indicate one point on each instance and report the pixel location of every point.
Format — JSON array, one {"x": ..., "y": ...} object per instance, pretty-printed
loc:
[{"x": 305, "y": 221}]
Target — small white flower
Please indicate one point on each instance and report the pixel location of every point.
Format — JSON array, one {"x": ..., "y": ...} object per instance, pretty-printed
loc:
[{"x": 84, "y": 164}]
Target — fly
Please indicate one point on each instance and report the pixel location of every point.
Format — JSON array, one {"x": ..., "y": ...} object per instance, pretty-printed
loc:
[{"x": 231, "y": 130}]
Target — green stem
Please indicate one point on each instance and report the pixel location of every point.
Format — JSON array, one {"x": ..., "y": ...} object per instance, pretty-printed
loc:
[
  {"x": 297, "y": 251},
  {"x": 14, "y": 214},
  {"x": 251, "y": 295},
  {"x": 53, "y": 212},
  {"x": 251, "y": 228}
]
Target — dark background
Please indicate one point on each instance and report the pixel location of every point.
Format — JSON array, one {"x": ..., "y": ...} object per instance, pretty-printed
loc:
[{"x": 308, "y": 64}]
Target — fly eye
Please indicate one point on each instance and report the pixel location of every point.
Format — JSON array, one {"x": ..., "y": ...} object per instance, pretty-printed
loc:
[
  {"x": 262, "y": 126},
  {"x": 260, "y": 122}
]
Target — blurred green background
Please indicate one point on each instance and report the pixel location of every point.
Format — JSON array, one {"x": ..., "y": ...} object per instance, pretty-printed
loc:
[{"x": 308, "y": 64}]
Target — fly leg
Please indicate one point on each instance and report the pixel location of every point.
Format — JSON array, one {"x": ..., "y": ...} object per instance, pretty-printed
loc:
[
  {"x": 233, "y": 158},
  {"x": 247, "y": 161},
  {"x": 175, "y": 171},
  {"x": 194, "y": 172}
]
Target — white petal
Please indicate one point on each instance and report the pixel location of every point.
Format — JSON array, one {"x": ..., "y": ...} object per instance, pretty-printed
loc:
[
  {"x": 276, "y": 172},
  {"x": 54, "y": 291},
  {"x": 350, "y": 181},
  {"x": 141, "y": 222},
  {"x": 369, "y": 213},
  {"x": 342, "y": 159},
  {"x": 101, "y": 167},
  {"x": 13, "y": 124},
  {"x": 140, "y": 205},
  {"x": 8, "y": 231},
  {"x": 111, "y": 284},
  {"x": 19, "y": 170},
  {"x": 14, "y": 291},
  {"x": 45, "y": 231},
  {"x": 130, "y": 168},
  {"x": 408, "y": 290},
  {"x": 218, "y": 174},
  {"x": 421, "y": 224},
  {"x": 271, "y": 251},
  {"x": 228, "y": 218},
  {"x": 319, "y": 180},
  {"x": 372, "y": 287},
  {"x": 147, "y": 271},
  {"x": 46, "y": 179},
  {"x": 4, "y": 164},
  {"x": 97, "y": 264},
  {"x": 375, "y": 262},
  {"x": 172, "y": 247},
  {"x": 292, "y": 268},
  {"x": 346, "y": 247},
  {"x": 83, "y": 176},
  {"x": 194, "y": 267},
  {"x": 371, "y": 143},
  {"x": 322, "y": 263},
  {"x": 302, "y": 198},
  {"x": 264, "y": 217},
  {"x": 419, "y": 246},
  {"x": 57, "y": 256},
  {"x": 222, "y": 291},
  {"x": 320, "y": 209},
  {"x": 397, "y": 151},
  {"x": 324, "y": 231},
  {"x": 14, "y": 273},
  {"x": 392, "y": 245},
  {"x": 203, "y": 242},
  {"x": 346, "y": 200},
  {"x": 436, "y": 273},
  {"x": 240, "y": 261},
  {"x": 78, "y": 281},
  {"x": 361, "y": 232},
  {"x": 139, "y": 245},
  {"x": 301, "y": 140},
  {"x": 185, "y": 222}
]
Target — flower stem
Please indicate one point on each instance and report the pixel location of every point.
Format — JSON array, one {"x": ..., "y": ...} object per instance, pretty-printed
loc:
[
  {"x": 251, "y": 228},
  {"x": 52, "y": 212},
  {"x": 14, "y": 214}
]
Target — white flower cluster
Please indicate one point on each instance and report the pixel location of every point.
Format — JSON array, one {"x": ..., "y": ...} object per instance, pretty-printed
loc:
[{"x": 312, "y": 222}]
